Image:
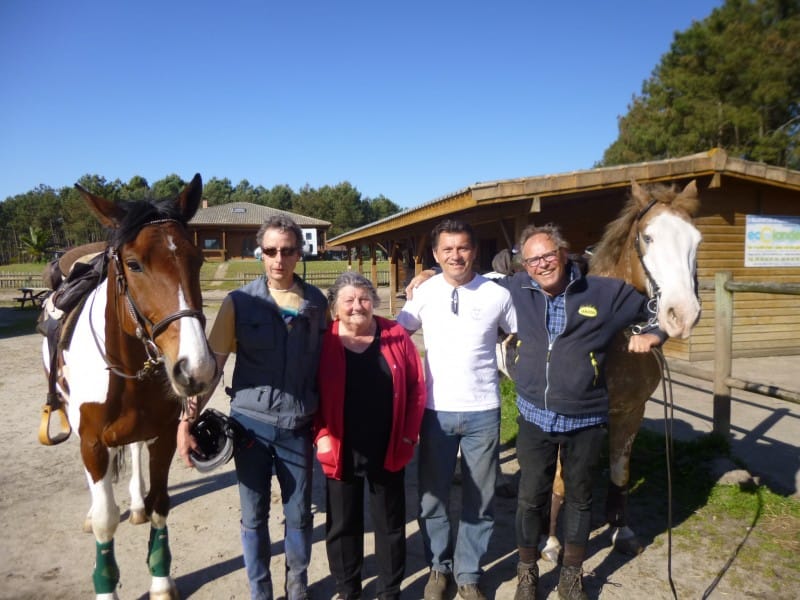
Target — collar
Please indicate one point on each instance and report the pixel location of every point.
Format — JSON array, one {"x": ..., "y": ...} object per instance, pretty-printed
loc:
[{"x": 574, "y": 274}]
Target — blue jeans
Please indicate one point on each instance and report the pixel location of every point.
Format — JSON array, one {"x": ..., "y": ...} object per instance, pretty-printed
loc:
[
  {"x": 478, "y": 435},
  {"x": 288, "y": 454}
]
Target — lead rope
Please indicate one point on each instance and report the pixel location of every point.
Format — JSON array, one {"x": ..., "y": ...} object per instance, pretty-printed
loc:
[{"x": 669, "y": 409}]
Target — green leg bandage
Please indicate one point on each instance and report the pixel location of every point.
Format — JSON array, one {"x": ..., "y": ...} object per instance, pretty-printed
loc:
[
  {"x": 106, "y": 571},
  {"x": 159, "y": 557}
]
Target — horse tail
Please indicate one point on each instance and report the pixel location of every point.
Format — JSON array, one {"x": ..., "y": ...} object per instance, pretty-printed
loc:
[{"x": 118, "y": 464}]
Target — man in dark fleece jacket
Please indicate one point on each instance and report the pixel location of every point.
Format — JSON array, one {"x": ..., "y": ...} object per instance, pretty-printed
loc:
[{"x": 566, "y": 322}]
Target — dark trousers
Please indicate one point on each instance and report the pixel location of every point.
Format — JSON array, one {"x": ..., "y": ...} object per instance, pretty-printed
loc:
[
  {"x": 344, "y": 531},
  {"x": 537, "y": 453}
]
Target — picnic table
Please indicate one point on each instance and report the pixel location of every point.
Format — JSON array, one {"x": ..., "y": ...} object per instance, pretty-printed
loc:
[{"x": 35, "y": 295}]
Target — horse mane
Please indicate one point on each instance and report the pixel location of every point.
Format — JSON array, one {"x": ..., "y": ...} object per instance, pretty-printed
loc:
[
  {"x": 140, "y": 213},
  {"x": 608, "y": 251}
]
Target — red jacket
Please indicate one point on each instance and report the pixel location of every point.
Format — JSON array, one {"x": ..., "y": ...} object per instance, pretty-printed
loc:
[{"x": 409, "y": 396}]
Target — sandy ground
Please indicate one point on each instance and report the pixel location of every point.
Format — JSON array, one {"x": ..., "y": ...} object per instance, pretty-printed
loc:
[{"x": 44, "y": 498}]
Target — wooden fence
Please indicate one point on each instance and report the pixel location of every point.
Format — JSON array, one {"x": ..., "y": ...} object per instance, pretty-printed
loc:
[
  {"x": 321, "y": 279},
  {"x": 18, "y": 280},
  {"x": 721, "y": 376}
]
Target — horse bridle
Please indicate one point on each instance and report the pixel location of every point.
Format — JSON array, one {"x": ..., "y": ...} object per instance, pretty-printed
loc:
[
  {"x": 655, "y": 295},
  {"x": 155, "y": 358}
]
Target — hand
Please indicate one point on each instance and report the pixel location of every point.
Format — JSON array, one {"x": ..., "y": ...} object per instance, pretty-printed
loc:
[
  {"x": 324, "y": 444},
  {"x": 643, "y": 342},
  {"x": 418, "y": 281},
  {"x": 186, "y": 443}
]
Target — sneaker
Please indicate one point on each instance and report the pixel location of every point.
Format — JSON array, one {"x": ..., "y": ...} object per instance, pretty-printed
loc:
[
  {"x": 570, "y": 586},
  {"x": 436, "y": 586},
  {"x": 470, "y": 591},
  {"x": 527, "y": 580}
]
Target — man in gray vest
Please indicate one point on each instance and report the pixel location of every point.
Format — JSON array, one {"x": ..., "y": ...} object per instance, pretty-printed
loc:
[{"x": 274, "y": 324}]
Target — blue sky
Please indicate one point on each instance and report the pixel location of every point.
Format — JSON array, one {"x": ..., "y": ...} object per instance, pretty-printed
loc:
[{"x": 412, "y": 99}]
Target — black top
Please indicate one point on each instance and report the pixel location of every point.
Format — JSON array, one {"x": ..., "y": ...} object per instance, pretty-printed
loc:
[{"x": 367, "y": 410}]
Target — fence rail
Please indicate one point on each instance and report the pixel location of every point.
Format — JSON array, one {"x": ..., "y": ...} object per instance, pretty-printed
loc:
[
  {"x": 321, "y": 279},
  {"x": 18, "y": 280},
  {"x": 318, "y": 278},
  {"x": 721, "y": 376}
]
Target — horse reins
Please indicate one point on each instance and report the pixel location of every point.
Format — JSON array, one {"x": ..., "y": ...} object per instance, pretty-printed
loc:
[{"x": 155, "y": 358}]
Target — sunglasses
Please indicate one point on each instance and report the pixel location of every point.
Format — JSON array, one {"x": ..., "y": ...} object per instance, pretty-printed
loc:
[
  {"x": 454, "y": 301},
  {"x": 273, "y": 252}
]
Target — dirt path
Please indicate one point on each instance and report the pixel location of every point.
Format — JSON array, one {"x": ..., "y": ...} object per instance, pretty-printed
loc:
[{"x": 44, "y": 554}]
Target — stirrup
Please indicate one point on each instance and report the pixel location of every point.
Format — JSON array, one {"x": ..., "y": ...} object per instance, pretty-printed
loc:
[{"x": 44, "y": 426}]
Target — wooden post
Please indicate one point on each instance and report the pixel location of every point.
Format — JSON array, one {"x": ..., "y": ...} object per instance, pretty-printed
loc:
[
  {"x": 392, "y": 279},
  {"x": 723, "y": 346},
  {"x": 373, "y": 253}
]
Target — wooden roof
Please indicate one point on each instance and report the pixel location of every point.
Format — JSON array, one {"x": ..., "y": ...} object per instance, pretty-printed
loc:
[
  {"x": 715, "y": 162},
  {"x": 249, "y": 214}
]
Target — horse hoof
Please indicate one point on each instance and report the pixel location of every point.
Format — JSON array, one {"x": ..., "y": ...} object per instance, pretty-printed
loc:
[
  {"x": 138, "y": 517},
  {"x": 628, "y": 546}
]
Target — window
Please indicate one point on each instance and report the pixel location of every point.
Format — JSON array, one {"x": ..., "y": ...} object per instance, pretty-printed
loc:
[{"x": 211, "y": 244}]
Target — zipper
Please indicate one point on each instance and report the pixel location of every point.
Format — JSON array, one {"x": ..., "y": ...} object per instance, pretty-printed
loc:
[
  {"x": 593, "y": 360},
  {"x": 552, "y": 342},
  {"x": 547, "y": 373}
]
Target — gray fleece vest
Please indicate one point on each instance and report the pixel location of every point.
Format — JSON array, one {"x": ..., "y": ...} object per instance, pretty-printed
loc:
[{"x": 274, "y": 379}]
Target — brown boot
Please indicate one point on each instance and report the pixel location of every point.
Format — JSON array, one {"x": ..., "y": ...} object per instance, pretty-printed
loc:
[
  {"x": 570, "y": 586},
  {"x": 527, "y": 580},
  {"x": 436, "y": 586}
]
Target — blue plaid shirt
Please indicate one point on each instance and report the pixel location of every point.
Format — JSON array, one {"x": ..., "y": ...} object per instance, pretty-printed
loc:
[{"x": 547, "y": 420}]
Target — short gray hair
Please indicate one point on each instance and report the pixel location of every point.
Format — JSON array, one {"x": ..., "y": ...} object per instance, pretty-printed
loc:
[
  {"x": 355, "y": 279},
  {"x": 550, "y": 230}
]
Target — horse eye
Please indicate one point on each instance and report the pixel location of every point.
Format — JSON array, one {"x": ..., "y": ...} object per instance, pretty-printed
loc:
[
  {"x": 647, "y": 239},
  {"x": 133, "y": 265}
]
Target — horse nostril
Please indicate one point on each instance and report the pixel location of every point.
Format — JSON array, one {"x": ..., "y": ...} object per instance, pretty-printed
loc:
[
  {"x": 180, "y": 373},
  {"x": 673, "y": 316}
]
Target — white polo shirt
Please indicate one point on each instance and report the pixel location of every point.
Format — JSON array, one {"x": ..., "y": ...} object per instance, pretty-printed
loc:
[{"x": 460, "y": 359}]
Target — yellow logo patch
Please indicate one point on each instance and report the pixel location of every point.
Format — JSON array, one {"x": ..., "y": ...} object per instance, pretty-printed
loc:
[{"x": 587, "y": 310}]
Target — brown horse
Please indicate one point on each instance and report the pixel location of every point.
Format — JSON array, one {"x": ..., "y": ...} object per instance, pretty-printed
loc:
[
  {"x": 138, "y": 348},
  {"x": 653, "y": 246}
]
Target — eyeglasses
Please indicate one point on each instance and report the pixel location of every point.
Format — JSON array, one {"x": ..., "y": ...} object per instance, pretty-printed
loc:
[
  {"x": 535, "y": 261},
  {"x": 272, "y": 252},
  {"x": 454, "y": 301}
]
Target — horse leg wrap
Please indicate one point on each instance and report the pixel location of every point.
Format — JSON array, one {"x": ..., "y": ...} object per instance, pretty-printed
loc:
[
  {"x": 106, "y": 571},
  {"x": 159, "y": 557}
]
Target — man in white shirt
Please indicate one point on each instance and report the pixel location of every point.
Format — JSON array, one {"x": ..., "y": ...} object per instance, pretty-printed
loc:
[{"x": 459, "y": 312}]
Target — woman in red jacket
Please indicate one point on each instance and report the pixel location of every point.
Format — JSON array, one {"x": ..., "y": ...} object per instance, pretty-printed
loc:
[{"x": 372, "y": 397}]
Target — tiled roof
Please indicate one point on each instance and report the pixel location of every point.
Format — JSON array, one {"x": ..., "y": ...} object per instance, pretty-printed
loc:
[{"x": 247, "y": 213}]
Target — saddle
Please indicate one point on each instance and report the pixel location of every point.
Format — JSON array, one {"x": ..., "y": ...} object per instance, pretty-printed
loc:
[{"x": 86, "y": 266}]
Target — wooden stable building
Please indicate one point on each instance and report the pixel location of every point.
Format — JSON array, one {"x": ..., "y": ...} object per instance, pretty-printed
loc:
[
  {"x": 228, "y": 231},
  {"x": 583, "y": 202}
]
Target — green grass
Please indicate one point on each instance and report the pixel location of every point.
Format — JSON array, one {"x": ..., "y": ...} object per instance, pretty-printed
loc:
[
  {"x": 755, "y": 527},
  {"x": 23, "y": 268},
  {"x": 508, "y": 412}
]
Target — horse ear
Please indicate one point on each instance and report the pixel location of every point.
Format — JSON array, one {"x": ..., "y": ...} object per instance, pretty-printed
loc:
[
  {"x": 108, "y": 213},
  {"x": 690, "y": 189},
  {"x": 639, "y": 195},
  {"x": 190, "y": 197},
  {"x": 689, "y": 200}
]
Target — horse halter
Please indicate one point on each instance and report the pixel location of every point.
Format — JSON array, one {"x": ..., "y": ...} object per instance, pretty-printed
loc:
[
  {"x": 155, "y": 357},
  {"x": 655, "y": 295}
]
